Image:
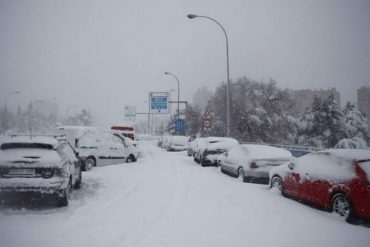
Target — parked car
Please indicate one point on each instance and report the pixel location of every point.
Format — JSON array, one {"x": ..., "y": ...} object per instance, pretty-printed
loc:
[
  {"x": 194, "y": 145},
  {"x": 97, "y": 146},
  {"x": 178, "y": 143},
  {"x": 252, "y": 163},
  {"x": 39, "y": 165},
  {"x": 211, "y": 148},
  {"x": 164, "y": 141},
  {"x": 131, "y": 150},
  {"x": 337, "y": 180}
]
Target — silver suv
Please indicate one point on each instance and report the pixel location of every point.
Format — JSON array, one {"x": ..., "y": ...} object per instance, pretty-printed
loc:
[{"x": 39, "y": 165}]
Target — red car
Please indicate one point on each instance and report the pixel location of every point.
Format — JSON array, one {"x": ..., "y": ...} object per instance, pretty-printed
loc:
[{"x": 337, "y": 180}]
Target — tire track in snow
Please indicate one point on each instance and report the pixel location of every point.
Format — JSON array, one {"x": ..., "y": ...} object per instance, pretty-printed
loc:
[
  {"x": 172, "y": 203},
  {"x": 82, "y": 214}
]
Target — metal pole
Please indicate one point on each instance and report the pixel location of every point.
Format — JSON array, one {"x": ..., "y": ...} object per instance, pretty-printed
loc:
[
  {"x": 149, "y": 114},
  {"x": 178, "y": 93},
  {"x": 192, "y": 16}
]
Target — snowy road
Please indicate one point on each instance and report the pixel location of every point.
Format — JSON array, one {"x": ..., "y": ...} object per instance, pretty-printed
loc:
[{"x": 168, "y": 200}]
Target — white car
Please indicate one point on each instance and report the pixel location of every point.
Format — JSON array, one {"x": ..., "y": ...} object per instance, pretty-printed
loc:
[
  {"x": 252, "y": 163},
  {"x": 97, "y": 146},
  {"x": 178, "y": 143},
  {"x": 209, "y": 150},
  {"x": 39, "y": 165},
  {"x": 131, "y": 150}
]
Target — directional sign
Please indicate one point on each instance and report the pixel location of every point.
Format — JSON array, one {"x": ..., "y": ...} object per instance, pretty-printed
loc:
[
  {"x": 130, "y": 113},
  {"x": 159, "y": 102},
  {"x": 180, "y": 126}
]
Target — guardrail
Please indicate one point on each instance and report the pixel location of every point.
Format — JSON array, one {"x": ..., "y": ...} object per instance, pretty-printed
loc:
[{"x": 296, "y": 151}]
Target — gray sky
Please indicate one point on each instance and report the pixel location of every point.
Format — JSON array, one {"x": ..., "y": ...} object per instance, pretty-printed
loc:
[{"x": 103, "y": 55}]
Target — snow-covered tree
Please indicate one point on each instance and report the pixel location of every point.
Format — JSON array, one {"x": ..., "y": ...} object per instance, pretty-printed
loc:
[
  {"x": 355, "y": 122},
  {"x": 321, "y": 125}
]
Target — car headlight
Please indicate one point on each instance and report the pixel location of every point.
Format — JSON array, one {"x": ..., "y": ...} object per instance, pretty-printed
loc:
[{"x": 47, "y": 172}]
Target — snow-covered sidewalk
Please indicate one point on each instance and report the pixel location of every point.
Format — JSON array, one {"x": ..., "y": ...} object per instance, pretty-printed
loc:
[{"x": 166, "y": 199}]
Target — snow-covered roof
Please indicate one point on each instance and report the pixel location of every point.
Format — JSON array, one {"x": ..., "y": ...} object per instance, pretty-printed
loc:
[
  {"x": 221, "y": 142},
  {"x": 264, "y": 151},
  {"x": 183, "y": 140}
]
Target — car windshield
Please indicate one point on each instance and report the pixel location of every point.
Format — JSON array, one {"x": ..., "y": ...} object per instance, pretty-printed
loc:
[{"x": 6, "y": 146}]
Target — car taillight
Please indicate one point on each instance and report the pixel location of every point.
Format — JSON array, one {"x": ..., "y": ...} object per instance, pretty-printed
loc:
[
  {"x": 254, "y": 165},
  {"x": 47, "y": 173}
]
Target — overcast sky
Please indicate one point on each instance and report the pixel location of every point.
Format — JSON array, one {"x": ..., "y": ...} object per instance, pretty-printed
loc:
[{"x": 103, "y": 55}]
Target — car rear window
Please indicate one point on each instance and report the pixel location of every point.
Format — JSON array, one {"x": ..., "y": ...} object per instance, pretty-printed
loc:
[
  {"x": 365, "y": 166},
  {"x": 5, "y": 146}
]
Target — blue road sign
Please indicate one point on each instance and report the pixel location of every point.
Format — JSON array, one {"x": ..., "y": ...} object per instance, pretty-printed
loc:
[
  {"x": 159, "y": 102},
  {"x": 180, "y": 125}
]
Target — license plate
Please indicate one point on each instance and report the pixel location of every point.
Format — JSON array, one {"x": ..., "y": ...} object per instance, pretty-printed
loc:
[{"x": 24, "y": 171}]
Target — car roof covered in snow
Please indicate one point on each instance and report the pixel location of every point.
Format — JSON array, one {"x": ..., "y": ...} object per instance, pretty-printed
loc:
[
  {"x": 264, "y": 151},
  {"x": 221, "y": 142}
]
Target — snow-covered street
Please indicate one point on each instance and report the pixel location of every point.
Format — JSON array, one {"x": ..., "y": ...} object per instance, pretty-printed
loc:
[{"x": 166, "y": 199}]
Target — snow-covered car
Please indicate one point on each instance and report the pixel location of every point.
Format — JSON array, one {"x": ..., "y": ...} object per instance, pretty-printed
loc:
[
  {"x": 39, "y": 165},
  {"x": 194, "y": 145},
  {"x": 336, "y": 179},
  {"x": 96, "y": 146},
  {"x": 178, "y": 143},
  {"x": 131, "y": 150},
  {"x": 209, "y": 150},
  {"x": 252, "y": 163}
]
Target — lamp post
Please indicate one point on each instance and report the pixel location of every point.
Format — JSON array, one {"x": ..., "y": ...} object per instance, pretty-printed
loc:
[
  {"x": 178, "y": 92},
  {"x": 6, "y": 108},
  {"x": 192, "y": 16}
]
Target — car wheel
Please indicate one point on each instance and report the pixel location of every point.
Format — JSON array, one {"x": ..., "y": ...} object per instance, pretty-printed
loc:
[
  {"x": 342, "y": 206},
  {"x": 277, "y": 183},
  {"x": 79, "y": 181},
  {"x": 131, "y": 158},
  {"x": 66, "y": 195},
  {"x": 203, "y": 162},
  {"x": 241, "y": 174},
  {"x": 89, "y": 163}
]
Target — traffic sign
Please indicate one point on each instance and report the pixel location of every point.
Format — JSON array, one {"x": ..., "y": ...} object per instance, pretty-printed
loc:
[
  {"x": 159, "y": 102},
  {"x": 180, "y": 125},
  {"x": 130, "y": 113}
]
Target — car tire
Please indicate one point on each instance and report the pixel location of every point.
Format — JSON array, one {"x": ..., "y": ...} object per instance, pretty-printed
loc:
[
  {"x": 342, "y": 206},
  {"x": 66, "y": 195},
  {"x": 78, "y": 182},
  {"x": 131, "y": 158},
  {"x": 203, "y": 162},
  {"x": 89, "y": 163},
  {"x": 241, "y": 175},
  {"x": 277, "y": 183}
]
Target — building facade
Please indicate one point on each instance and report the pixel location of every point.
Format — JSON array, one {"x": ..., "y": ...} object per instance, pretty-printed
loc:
[
  {"x": 363, "y": 101},
  {"x": 304, "y": 99}
]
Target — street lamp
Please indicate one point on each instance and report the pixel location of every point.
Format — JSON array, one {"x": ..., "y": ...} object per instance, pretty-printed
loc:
[
  {"x": 192, "y": 16},
  {"x": 6, "y": 109},
  {"x": 178, "y": 93}
]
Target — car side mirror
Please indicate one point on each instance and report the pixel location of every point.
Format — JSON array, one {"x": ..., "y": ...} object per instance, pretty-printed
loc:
[
  {"x": 226, "y": 154},
  {"x": 291, "y": 166}
]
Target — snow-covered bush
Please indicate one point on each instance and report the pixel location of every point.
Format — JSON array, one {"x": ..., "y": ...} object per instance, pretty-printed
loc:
[{"x": 353, "y": 143}]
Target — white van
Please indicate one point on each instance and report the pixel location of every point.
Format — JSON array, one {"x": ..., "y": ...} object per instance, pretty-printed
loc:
[{"x": 97, "y": 146}]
